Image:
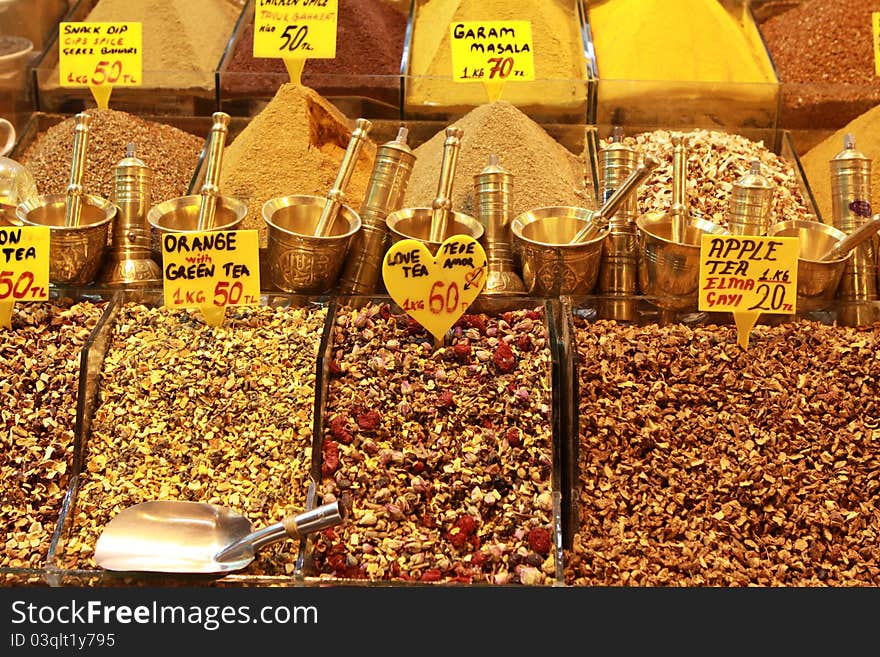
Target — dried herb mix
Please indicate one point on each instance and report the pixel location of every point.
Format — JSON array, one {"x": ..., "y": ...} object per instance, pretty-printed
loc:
[
  {"x": 39, "y": 378},
  {"x": 191, "y": 412},
  {"x": 703, "y": 464},
  {"x": 445, "y": 456}
]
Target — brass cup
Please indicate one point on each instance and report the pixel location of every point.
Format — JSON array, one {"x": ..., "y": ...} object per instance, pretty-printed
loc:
[
  {"x": 415, "y": 224},
  {"x": 75, "y": 252},
  {"x": 181, "y": 215},
  {"x": 551, "y": 264},
  {"x": 669, "y": 272},
  {"x": 817, "y": 281},
  {"x": 298, "y": 260}
]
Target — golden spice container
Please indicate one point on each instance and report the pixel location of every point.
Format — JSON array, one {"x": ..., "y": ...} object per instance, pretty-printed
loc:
[
  {"x": 751, "y": 203},
  {"x": 618, "y": 268},
  {"x": 851, "y": 208},
  {"x": 493, "y": 191},
  {"x": 391, "y": 172},
  {"x": 129, "y": 261}
]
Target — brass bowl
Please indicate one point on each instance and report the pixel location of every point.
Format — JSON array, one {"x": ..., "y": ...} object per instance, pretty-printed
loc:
[
  {"x": 75, "y": 252},
  {"x": 299, "y": 261},
  {"x": 669, "y": 272},
  {"x": 181, "y": 215},
  {"x": 551, "y": 266},
  {"x": 817, "y": 281},
  {"x": 415, "y": 224}
]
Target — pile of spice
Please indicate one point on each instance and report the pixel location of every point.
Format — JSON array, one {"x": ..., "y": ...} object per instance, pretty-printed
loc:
[
  {"x": 191, "y": 412},
  {"x": 668, "y": 46},
  {"x": 39, "y": 378},
  {"x": 836, "y": 81},
  {"x": 545, "y": 172},
  {"x": 356, "y": 70},
  {"x": 680, "y": 40},
  {"x": 705, "y": 464},
  {"x": 444, "y": 455},
  {"x": 171, "y": 153},
  {"x": 293, "y": 146},
  {"x": 558, "y": 51},
  {"x": 715, "y": 161},
  {"x": 866, "y": 130},
  {"x": 183, "y": 40}
]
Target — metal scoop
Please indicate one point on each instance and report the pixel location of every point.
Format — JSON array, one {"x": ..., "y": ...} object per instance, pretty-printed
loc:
[{"x": 171, "y": 536}]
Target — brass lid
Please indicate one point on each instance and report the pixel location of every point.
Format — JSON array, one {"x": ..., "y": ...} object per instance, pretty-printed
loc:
[
  {"x": 849, "y": 151},
  {"x": 753, "y": 179}
]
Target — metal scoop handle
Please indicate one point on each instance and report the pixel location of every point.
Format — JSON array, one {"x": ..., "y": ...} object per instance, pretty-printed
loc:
[
  {"x": 211, "y": 188},
  {"x": 336, "y": 196},
  {"x": 679, "y": 189},
  {"x": 598, "y": 221},
  {"x": 442, "y": 204},
  {"x": 73, "y": 210},
  {"x": 862, "y": 234},
  {"x": 294, "y": 526}
]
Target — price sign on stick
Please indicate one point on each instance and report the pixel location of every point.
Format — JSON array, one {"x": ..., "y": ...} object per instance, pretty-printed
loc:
[
  {"x": 24, "y": 268},
  {"x": 435, "y": 291},
  {"x": 748, "y": 276},
  {"x": 211, "y": 270},
  {"x": 492, "y": 52},
  {"x": 875, "y": 26},
  {"x": 100, "y": 56},
  {"x": 295, "y": 30}
]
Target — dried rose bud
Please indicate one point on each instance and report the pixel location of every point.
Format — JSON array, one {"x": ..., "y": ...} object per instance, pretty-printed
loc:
[{"x": 444, "y": 399}]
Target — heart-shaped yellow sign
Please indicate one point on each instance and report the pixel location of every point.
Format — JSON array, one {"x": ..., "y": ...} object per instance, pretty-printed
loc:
[{"x": 435, "y": 291}]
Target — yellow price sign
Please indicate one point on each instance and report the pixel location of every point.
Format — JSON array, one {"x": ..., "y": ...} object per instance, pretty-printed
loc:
[
  {"x": 210, "y": 270},
  {"x": 748, "y": 276},
  {"x": 492, "y": 52},
  {"x": 100, "y": 56},
  {"x": 435, "y": 291},
  {"x": 24, "y": 267},
  {"x": 875, "y": 25},
  {"x": 295, "y": 30}
]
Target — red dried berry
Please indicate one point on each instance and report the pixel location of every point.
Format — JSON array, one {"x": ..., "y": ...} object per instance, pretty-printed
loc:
[
  {"x": 385, "y": 311},
  {"x": 457, "y": 537},
  {"x": 513, "y": 437},
  {"x": 539, "y": 540},
  {"x": 338, "y": 425},
  {"x": 524, "y": 343},
  {"x": 418, "y": 467},
  {"x": 369, "y": 420},
  {"x": 503, "y": 358},
  {"x": 335, "y": 369},
  {"x": 533, "y": 314},
  {"x": 428, "y": 521},
  {"x": 330, "y": 454},
  {"x": 462, "y": 351},
  {"x": 478, "y": 558},
  {"x": 475, "y": 321},
  {"x": 467, "y": 524},
  {"x": 432, "y": 575}
]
